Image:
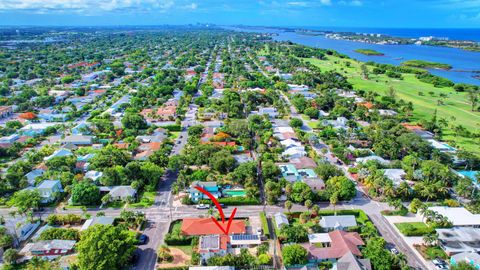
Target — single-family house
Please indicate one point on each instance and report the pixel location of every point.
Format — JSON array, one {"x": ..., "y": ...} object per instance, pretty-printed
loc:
[
  {"x": 93, "y": 175},
  {"x": 350, "y": 262},
  {"x": 339, "y": 123},
  {"x": 6, "y": 111},
  {"x": 81, "y": 129},
  {"x": 36, "y": 129},
  {"x": 121, "y": 193},
  {"x": 206, "y": 226},
  {"x": 270, "y": 111},
  {"x": 331, "y": 223},
  {"x": 8, "y": 140},
  {"x": 32, "y": 175},
  {"x": 280, "y": 220},
  {"x": 337, "y": 245},
  {"x": 82, "y": 140},
  {"x": 459, "y": 240},
  {"x": 97, "y": 220},
  {"x": 59, "y": 153},
  {"x": 51, "y": 248},
  {"x": 47, "y": 190},
  {"x": 396, "y": 175},
  {"x": 212, "y": 245},
  {"x": 442, "y": 147},
  {"x": 362, "y": 160},
  {"x": 294, "y": 152},
  {"x": 459, "y": 216},
  {"x": 196, "y": 195}
]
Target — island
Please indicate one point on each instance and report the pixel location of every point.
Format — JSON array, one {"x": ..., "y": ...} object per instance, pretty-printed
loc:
[
  {"x": 426, "y": 64},
  {"x": 369, "y": 52}
]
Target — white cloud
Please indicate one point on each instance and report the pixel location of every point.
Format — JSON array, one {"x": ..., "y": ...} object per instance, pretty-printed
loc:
[
  {"x": 297, "y": 4},
  {"x": 86, "y": 5},
  {"x": 326, "y": 2},
  {"x": 191, "y": 6}
]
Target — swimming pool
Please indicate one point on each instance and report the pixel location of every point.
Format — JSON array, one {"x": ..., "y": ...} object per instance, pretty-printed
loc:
[
  {"x": 470, "y": 174},
  {"x": 235, "y": 192}
]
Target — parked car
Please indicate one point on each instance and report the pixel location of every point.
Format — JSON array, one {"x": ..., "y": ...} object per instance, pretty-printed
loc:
[
  {"x": 143, "y": 239},
  {"x": 202, "y": 206},
  {"x": 394, "y": 251}
]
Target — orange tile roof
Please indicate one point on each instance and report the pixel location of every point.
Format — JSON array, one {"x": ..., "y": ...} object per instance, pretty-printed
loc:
[
  {"x": 411, "y": 127},
  {"x": 28, "y": 115},
  {"x": 341, "y": 243},
  {"x": 225, "y": 143},
  {"x": 206, "y": 226},
  {"x": 367, "y": 105}
]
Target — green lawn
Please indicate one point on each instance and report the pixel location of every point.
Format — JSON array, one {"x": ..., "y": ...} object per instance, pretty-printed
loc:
[
  {"x": 174, "y": 135},
  {"x": 414, "y": 228},
  {"x": 147, "y": 200},
  {"x": 456, "y": 108}
]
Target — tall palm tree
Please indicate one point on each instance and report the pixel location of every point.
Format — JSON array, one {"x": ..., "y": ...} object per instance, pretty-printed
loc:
[{"x": 334, "y": 201}]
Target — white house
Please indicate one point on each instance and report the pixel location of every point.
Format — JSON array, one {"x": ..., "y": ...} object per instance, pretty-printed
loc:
[
  {"x": 47, "y": 190},
  {"x": 59, "y": 153},
  {"x": 459, "y": 216}
]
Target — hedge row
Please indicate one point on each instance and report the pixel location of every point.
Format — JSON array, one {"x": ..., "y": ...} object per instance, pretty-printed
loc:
[
  {"x": 265, "y": 229},
  {"x": 234, "y": 201},
  {"x": 173, "y": 127}
]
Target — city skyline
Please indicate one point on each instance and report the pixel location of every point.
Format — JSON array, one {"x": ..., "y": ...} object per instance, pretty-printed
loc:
[{"x": 326, "y": 13}]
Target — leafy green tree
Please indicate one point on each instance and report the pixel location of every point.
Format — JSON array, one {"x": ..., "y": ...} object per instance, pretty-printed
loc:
[
  {"x": 10, "y": 256},
  {"x": 116, "y": 245},
  {"x": 375, "y": 250},
  {"x": 295, "y": 233},
  {"x": 296, "y": 123},
  {"x": 85, "y": 193},
  {"x": 341, "y": 185},
  {"x": 60, "y": 233},
  {"x": 273, "y": 191},
  {"x": 294, "y": 254},
  {"x": 26, "y": 200},
  {"x": 301, "y": 192},
  {"x": 312, "y": 112},
  {"x": 222, "y": 161},
  {"x": 134, "y": 121}
]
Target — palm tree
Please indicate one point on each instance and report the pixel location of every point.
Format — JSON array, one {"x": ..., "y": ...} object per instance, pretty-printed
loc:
[
  {"x": 334, "y": 201},
  {"x": 430, "y": 239},
  {"x": 401, "y": 260},
  {"x": 403, "y": 190},
  {"x": 288, "y": 205}
]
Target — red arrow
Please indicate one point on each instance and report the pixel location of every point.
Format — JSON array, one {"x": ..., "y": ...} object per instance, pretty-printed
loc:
[{"x": 220, "y": 210}]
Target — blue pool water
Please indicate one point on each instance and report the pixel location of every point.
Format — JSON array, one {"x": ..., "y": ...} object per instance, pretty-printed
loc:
[{"x": 470, "y": 174}]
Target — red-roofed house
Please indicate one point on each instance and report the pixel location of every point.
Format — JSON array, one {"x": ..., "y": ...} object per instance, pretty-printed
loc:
[
  {"x": 338, "y": 243},
  {"x": 167, "y": 113},
  {"x": 206, "y": 226}
]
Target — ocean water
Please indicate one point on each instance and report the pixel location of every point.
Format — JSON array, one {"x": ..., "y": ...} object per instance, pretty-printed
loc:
[
  {"x": 453, "y": 33},
  {"x": 464, "y": 63}
]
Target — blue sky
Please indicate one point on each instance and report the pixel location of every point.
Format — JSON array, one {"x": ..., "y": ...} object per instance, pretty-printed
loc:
[{"x": 343, "y": 13}]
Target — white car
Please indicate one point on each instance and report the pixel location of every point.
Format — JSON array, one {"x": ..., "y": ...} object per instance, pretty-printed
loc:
[{"x": 202, "y": 206}]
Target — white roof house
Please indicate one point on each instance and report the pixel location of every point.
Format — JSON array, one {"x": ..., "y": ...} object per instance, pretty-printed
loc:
[
  {"x": 340, "y": 123},
  {"x": 459, "y": 216},
  {"x": 280, "y": 219},
  {"x": 290, "y": 142},
  {"x": 283, "y": 130},
  {"x": 442, "y": 147},
  {"x": 94, "y": 175},
  {"x": 319, "y": 238},
  {"x": 338, "y": 222},
  {"x": 376, "y": 158},
  {"x": 59, "y": 153},
  {"x": 295, "y": 152},
  {"x": 396, "y": 175},
  {"x": 31, "y": 176},
  {"x": 459, "y": 240}
]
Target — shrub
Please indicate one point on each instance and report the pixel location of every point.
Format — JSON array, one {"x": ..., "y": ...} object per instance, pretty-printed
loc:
[
  {"x": 265, "y": 229},
  {"x": 173, "y": 127}
]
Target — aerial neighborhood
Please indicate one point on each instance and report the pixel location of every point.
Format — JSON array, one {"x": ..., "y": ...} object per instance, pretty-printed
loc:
[{"x": 133, "y": 149}]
